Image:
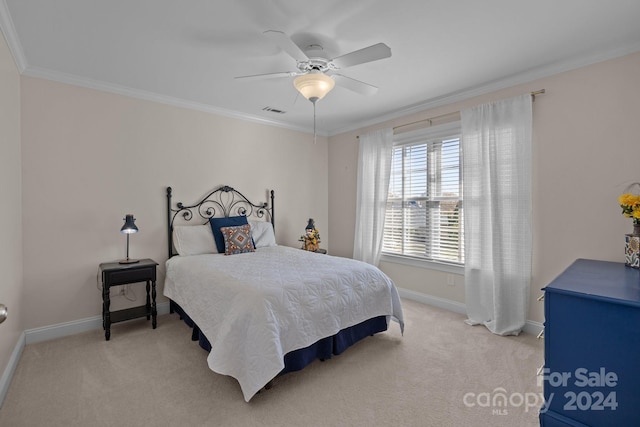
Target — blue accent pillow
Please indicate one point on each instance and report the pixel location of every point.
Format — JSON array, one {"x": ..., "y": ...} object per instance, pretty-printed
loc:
[{"x": 217, "y": 223}]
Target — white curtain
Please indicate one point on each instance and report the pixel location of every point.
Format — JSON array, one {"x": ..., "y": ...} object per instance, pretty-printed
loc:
[
  {"x": 496, "y": 149},
  {"x": 374, "y": 166}
]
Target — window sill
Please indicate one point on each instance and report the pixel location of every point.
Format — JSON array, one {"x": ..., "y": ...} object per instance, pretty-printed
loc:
[{"x": 421, "y": 263}]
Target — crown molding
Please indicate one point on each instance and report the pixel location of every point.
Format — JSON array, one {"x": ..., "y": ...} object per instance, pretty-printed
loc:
[
  {"x": 447, "y": 99},
  {"x": 10, "y": 35},
  {"x": 514, "y": 80},
  {"x": 9, "y": 32},
  {"x": 75, "y": 80}
]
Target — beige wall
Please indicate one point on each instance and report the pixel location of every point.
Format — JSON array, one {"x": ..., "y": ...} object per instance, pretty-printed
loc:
[
  {"x": 10, "y": 213},
  {"x": 586, "y": 151},
  {"x": 90, "y": 157}
]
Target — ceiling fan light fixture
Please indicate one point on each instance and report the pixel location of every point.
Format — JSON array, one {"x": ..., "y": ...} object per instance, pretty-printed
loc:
[{"x": 314, "y": 85}]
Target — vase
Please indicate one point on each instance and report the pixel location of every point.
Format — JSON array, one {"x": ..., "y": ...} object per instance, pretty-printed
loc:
[{"x": 632, "y": 248}]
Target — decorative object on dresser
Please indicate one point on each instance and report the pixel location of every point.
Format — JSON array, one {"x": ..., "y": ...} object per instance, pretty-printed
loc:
[
  {"x": 116, "y": 273},
  {"x": 591, "y": 372},
  {"x": 129, "y": 227},
  {"x": 630, "y": 204},
  {"x": 311, "y": 238},
  {"x": 263, "y": 313}
]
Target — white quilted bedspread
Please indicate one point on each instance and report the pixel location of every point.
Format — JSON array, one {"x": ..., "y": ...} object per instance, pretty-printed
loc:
[{"x": 256, "y": 307}]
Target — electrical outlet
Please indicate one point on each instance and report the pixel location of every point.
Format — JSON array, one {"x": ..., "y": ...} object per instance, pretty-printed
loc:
[{"x": 451, "y": 280}]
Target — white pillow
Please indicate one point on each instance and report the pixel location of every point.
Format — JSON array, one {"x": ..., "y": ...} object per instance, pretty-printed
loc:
[
  {"x": 194, "y": 239},
  {"x": 262, "y": 233}
]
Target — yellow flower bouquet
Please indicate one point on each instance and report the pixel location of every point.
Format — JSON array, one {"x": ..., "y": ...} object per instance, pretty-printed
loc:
[{"x": 630, "y": 204}]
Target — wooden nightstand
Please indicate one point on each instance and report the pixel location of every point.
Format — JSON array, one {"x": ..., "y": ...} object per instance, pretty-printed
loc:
[{"x": 114, "y": 274}]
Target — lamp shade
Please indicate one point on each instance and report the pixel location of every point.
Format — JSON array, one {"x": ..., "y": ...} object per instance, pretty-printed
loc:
[
  {"x": 314, "y": 85},
  {"x": 129, "y": 226}
]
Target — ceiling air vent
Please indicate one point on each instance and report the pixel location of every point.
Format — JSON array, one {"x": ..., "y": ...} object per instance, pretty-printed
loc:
[{"x": 273, "y": 110}]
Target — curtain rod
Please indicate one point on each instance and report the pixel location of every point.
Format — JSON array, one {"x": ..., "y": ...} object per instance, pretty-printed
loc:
[
  {"x": 431, "y": 119},
  {"x": 533, "y": 96}
]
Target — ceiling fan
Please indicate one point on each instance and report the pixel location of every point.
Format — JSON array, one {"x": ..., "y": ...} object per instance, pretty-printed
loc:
[{"x": 316, "y": 75}]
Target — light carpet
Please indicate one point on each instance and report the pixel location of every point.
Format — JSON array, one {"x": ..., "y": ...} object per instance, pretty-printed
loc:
[{"x": 442, "y": 372}]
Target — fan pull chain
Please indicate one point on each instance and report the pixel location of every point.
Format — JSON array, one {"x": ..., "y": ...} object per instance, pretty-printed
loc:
[{"x": 314, "y": 122}]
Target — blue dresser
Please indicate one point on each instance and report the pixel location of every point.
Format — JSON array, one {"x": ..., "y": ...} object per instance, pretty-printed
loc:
[{"x": 592, "y": 346}]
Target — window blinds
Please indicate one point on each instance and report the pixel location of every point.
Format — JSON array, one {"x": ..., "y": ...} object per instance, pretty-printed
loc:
[{"x": 424, "y": 206}]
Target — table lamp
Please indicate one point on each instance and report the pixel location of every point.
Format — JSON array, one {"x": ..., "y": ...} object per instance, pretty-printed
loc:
[{"x": 129, "y": 227}]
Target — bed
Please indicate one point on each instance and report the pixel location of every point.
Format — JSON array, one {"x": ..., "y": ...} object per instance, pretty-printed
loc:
[{"x": 266, "y": 309}]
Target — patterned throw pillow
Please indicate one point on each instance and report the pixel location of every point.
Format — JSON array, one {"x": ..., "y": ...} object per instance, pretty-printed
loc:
[
  {"x": 237, "y": 239},
  {"x": 218, "y": 223}
]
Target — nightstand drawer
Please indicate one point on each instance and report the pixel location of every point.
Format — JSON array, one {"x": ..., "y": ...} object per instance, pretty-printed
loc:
[{"x": 131, "y": 275}]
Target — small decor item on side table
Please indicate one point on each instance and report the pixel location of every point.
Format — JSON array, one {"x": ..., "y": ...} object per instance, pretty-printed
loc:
[
  {"x": 129, "y": 227},
  {"x": 311, "y": 239},
  {"x": 630, "y": 204}
]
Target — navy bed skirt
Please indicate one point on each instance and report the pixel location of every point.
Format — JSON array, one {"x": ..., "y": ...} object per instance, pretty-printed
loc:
[{"x": 298, "y": 359}]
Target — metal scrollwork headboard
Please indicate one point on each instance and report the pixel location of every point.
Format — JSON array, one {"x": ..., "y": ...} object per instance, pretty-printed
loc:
[{"x": 224, "y": 201}]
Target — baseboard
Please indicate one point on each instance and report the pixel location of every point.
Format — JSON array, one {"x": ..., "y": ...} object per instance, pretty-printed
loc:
[
  {"x": 46, "y": 333},
  {"x": 446, "y": 304},
  {"x": 59, "y": 330},
  {"x": 7, "y": 375},
  {"x": 530, "y": 327}
]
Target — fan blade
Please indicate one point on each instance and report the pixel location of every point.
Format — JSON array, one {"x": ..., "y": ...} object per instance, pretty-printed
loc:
[
  {"x": 355, "y": 85},
  {"x": 367, "y": 54},
  {"x": 286, "y": 44},
  {"x": 268, "y": 75}
]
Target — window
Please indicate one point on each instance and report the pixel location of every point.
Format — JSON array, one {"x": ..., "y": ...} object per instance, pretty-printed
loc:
[{"x": 424, "y": 206}]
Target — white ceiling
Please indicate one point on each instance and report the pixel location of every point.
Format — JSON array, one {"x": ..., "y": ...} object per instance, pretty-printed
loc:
[{"x": 188, "y": 52}]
